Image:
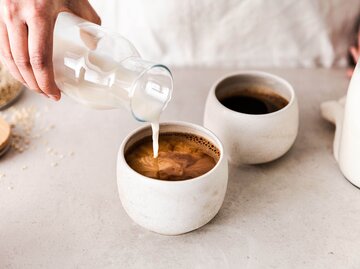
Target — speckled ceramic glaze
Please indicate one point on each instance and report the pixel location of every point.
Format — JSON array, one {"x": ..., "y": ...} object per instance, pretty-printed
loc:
[
  {"x": 248, "y": 138},
  {"x": 171, "y": 207}
]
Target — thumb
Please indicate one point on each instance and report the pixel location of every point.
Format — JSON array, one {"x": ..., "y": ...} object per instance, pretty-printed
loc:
[{"x": 84, "y": 10}]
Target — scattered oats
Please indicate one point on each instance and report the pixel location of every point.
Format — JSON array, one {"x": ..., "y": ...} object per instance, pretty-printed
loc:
[
  {"x": 24, "y": 167},
  {"x": 48, "y": 128},
  {"x": 22, "y": 122},
  {"x": 71, "y": 153},
  {"x": 54, "y": 164},
  {"x": 10, "y": 188},
  {"x": 61, "y": 156},
  {"x": 2, "y": 175}
]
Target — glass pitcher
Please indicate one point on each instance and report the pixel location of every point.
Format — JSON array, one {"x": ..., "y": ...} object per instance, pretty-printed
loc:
[{"x": 103, "y": 70}]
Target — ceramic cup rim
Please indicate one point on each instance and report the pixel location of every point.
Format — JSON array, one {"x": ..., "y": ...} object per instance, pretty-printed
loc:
[
  {"x": 260, "y": 74},
  {"x": 201, "y": 129}
]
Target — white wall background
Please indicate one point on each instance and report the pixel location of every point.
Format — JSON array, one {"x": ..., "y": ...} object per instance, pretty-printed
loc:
[{"x": 240, "y": 33}]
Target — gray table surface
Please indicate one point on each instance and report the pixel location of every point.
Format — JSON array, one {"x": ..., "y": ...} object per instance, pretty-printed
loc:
[{"x": 296, "y": 212}]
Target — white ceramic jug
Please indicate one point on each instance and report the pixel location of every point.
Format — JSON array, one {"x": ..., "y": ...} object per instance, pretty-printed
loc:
[{"x": 345, "y": 114}]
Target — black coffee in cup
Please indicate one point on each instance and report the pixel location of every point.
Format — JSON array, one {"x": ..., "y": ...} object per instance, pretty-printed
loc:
[{"x": 253, "y": 100}]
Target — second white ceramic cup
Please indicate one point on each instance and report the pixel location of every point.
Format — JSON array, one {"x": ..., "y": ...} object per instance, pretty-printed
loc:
[{"x": 249, "y": 138}]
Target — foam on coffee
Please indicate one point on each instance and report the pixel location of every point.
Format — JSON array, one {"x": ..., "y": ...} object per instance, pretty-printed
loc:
[{"x": 181, "y": 156}]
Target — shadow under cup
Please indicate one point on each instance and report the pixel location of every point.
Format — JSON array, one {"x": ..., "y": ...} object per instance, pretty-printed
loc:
[
  {"x": 171, "y": 207},
  {"x": 253, "y": 138}
]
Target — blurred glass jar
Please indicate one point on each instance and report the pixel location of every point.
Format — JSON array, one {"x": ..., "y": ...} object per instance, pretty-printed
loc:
[{"x": 10, "y": 89}]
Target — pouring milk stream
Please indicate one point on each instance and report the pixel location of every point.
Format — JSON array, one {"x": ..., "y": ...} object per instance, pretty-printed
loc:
[{"x": 103, "y": 70}]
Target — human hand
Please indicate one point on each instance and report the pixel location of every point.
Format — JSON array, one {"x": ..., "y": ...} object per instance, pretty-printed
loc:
[
  {"x": 355, "y": 54},
  {"x": 26, "y": 38}
]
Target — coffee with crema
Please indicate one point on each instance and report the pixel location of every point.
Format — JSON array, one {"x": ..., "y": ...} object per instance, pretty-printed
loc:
[{"x": 181, "y": 157}]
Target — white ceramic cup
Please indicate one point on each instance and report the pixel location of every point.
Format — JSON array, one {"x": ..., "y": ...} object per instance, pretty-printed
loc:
[
  {"x": 249, "y": 138},
  {"x": 171, "y": 207}
]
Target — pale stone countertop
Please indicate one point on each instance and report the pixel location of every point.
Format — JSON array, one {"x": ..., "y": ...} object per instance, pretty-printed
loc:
[{"x": 296, "y": 212}]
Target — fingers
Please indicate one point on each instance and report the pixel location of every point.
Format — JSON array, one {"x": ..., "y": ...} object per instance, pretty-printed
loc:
[
  {"x": 18, "y": 39},
  {"x": 27, "y": 40},
  {"x": 354, "y": 53},
  {"x": 40, "y": 52},
  {"x": 26, "y": 44},
  {"x": 355, "y": 50},
  {"x": 86, "y": 11},
  {"x": 6, "y": 56}
]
